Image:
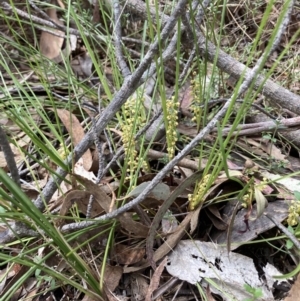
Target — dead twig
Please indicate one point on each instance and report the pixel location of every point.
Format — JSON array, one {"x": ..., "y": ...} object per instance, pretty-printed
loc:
[
  {"x": 292, "y": 237},
  {"x": 118, "y": 40},
  {"x": 266, "y": 126},
  {"x": 37, "y": 20},
  {"x": 9, "y": 157}
]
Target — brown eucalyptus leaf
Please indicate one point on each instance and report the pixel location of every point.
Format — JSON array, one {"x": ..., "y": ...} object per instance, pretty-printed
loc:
[
  {"x": 95, "y": 210},
  {"x": 50, "y": 45},
  {"x": 112, "y": 276},
  {"x": 126, "y": 255},
  {"x": 77, "y": 133},
  {"x": 136, "y": 228},
  {"x": 139, "y": 287},
  {"x": 155, "y": 279},
  {"x": 269, "y": 148},
  {"x": 100, "y": 196},
  {"x": 186, "y": 95},
  {"x": 19, "y": 272},
  {"x": 214, "y": 215},
  {"x": 70, "y": 198},
  {"x": 195, "y": 219},
  {"x": 166, "y": 247}
]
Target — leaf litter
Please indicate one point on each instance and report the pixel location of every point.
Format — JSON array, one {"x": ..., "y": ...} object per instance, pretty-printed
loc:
[{"x": 139, "y": 246}]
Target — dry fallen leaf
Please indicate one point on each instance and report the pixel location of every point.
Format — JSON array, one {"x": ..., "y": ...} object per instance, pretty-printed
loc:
[
  {"x": 127, "y": 255},
  {"x": 81, "y": 198},
  {"x": 167, "y": 246},
  {"x": 154, "y": 283},
  {"x": 112, "y": 276},
  {"x": 99, "y": 195},
  {"x": 82, "y": 66},
  {"x": 17, "y": 156},
  {"x": 135, "y": 228},
  {"x": 139, "y": 287},
  {"x": 77, "y": 133},
  {"x": 209, "y": 262},
  {"x": 50, "y": 45}
]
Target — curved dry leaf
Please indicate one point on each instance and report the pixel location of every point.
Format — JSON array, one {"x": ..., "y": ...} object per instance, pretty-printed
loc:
[
  {"x": 83, "y": 66},
  {"x": 76, "y": 131},
  {"x": 127, "y": 255},
  {"x": 195, "y": 219},
  {"x": 155, "y": 279},
  {"x": 261, "y": 202},
  {"x": 167, "y": 246},
  {"x": 112, "y": 276},
  {"x": 70, "y": 198},
  {"x": 50, "y": 45},
  {"x": 100, "y": 196},
  {"x": 160, "y": 192},
  {"x": 139, "y": 286},
  {"x": 214, "y": 215},
  {"x": 162, "y": 211},
  {"x": 82, "y": 199},
  {"x": 136, "y": 228}
]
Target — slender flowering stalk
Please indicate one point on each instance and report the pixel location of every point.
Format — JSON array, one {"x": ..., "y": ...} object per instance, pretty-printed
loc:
[
  {"x": 133, "y": 121},
  {"x": 171, "y": 124}
]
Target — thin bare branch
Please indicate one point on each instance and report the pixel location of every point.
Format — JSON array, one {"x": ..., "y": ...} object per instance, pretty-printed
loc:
[
  {"x": 292, "y": 237},
  {"x": 9, "y": 157},
  {"x": 118, "y": 40},
  {"x": 40, "y": 21}
]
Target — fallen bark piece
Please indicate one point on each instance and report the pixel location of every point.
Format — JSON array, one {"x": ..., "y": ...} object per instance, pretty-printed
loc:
[{"x": 225, "y": 273}]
